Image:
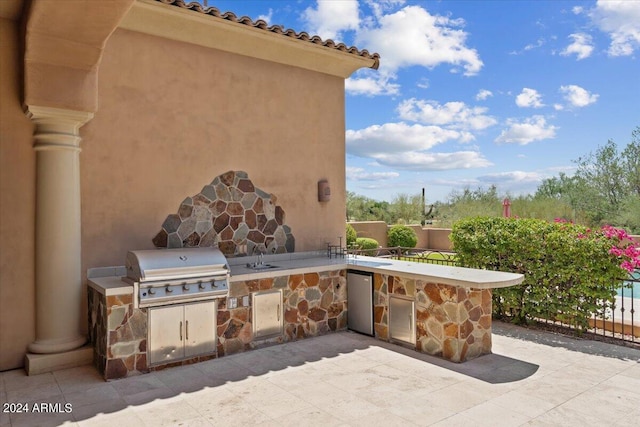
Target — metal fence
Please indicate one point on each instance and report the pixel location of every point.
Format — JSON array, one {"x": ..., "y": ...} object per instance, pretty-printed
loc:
[
  {"x": 619, "y": 323},
  {"x": 409, "y": 254}
]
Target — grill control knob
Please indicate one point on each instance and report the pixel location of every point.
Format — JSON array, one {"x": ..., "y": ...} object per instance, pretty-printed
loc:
[
  {"x": 185, "y": 287},
  {"x": 152, "y": 291},
  {"x": 214, "y": 284},
  {"x": 200, "y": 286},
  {"x": 168, "y": 289}
]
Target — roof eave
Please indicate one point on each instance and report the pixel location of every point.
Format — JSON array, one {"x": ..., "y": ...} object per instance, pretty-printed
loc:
[{"x": 181, "y": 24}]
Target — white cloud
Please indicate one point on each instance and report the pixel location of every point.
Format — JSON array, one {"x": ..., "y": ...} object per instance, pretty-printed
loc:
[
  {"x": 380, "y": 6},
  {"x": 582, "y": 46},
  {"x": 420, "y": 161},
  {"x": 531, "y": 129},
  {"x": 423, "y": 83},
  {"x": 397, "y": 137},
  {"x": 577, "y": 96},
  {"x": 454, "y": 114},
  {"x": 513, "y": 181},
  {"x": 461, "y": 182},
  {"x": 577, "y": 10},
  {"x": 371, "y": 86},
  {"x": 483, "y": 94},
  {"x": 330, "y": 18},
  {"x": 412, "y": 36},
  {"x": 360, "y": 174},
  {"x": 267, "y": 17},
  {"x": 403, "y": 146},
  {"x": 512, "y": 177},
  {"x": 539, "y": 43},
  {"x": 529, "y": 98},
  {"x": 621, "y": 20}
]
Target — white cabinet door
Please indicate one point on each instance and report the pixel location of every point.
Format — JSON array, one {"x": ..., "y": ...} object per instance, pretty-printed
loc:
[
  {"x": 199, "y": 328},
  {"x": 166, "y": 334},
  {"x": 402, "y": 321},
  {"x": 267, "y": 314}
]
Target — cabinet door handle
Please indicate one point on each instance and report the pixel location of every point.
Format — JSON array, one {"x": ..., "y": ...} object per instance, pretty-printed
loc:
[
  {"x": 187, "y": 330},
  {"x": 410, "y": 325},
  {"x": 278, "y": 312},
  {"x": 180, "y": 331}
]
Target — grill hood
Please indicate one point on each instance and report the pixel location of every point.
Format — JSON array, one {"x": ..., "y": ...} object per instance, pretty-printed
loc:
[{"x": 169, "y": 264}]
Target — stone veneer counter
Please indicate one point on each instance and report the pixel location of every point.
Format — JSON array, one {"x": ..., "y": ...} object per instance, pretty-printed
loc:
[{"x": 452, "y": 307}]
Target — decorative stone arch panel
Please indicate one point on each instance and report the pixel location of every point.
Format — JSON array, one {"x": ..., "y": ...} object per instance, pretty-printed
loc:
[{"x": 230, "y": 213}]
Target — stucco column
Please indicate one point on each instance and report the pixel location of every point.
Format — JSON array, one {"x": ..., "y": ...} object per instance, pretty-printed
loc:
[{"x": 58, "y": 252}]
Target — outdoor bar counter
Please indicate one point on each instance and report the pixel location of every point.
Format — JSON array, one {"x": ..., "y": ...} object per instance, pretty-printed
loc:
[{"x": 300, "y": 295}]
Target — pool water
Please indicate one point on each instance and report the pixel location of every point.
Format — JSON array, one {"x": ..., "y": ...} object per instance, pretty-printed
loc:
[{"x": 626, "y": 292}]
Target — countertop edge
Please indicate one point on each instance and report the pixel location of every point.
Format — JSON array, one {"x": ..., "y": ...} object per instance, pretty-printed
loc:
[{"x": 109, "y": 286}]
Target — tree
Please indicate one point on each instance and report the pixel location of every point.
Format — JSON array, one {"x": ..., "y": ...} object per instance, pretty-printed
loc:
[
  {"x": 631, "y": 162},
  {"x": 602, "y": 171},
  {"x": 406, "y": 209},
  {"x": 361, "y": 208}
]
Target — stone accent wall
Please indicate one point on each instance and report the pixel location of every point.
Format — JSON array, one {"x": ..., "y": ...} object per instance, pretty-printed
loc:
[
  {"x": 452, "y": 323},
  {"x": 314, "y": 304},
  {"x": 230, "y": 213},
  {"x": 118, "y": 333}
]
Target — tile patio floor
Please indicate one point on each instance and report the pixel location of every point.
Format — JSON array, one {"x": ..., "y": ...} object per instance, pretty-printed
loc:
[{"x": 346, "y": 379}]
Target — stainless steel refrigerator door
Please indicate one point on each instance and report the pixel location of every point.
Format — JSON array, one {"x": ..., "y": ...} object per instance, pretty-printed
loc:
[{"x": 360, "y": 302}]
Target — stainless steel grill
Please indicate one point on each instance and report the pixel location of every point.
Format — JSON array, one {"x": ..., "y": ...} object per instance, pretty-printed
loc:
[{"x": 168, "y": 276}]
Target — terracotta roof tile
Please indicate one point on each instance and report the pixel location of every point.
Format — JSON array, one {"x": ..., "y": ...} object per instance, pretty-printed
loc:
[{"x": 277, "y": 29}]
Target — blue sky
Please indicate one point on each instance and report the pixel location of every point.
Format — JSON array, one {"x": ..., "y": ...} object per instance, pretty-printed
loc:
[{"x": 475, "y": 93}]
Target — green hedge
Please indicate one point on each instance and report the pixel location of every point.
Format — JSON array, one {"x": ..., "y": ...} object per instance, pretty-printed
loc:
[
  {"x": 403, "y": 236},
  {"x": 366, "y": 243},
  {"x": 351, "y": 235},
  {"x": 570, "y": 273}
]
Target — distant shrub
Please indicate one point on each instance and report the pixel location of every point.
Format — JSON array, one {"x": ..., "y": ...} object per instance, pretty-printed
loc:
[
  {"x": 351, "y": 235},
  {"x": 366, "y": 243},
  {"x": 571, "y": 273},
  {"x": 401, "y": 235}
]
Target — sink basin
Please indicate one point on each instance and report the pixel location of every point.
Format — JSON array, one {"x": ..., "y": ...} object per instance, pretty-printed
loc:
[{"x": 259, "y": 267}]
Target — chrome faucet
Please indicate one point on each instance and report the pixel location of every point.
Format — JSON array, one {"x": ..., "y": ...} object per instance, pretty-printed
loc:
[{"x": 259, "y": 259}]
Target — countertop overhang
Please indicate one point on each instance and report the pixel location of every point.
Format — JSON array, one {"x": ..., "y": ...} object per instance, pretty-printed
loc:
[
  {"x": 315, "y": 262},
  {"x": 107, "y": 280}
]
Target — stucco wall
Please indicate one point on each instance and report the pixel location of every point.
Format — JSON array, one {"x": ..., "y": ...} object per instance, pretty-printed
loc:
[
  {"x": 428, "y": 238},
  {"x": 17, "y": 208},
  {"x": 173, "y": 116},
  {"x": 372, "y": 229}
]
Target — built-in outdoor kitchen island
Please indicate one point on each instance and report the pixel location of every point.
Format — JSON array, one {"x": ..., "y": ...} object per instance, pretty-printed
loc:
[{"x": 285, "y": 297}]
